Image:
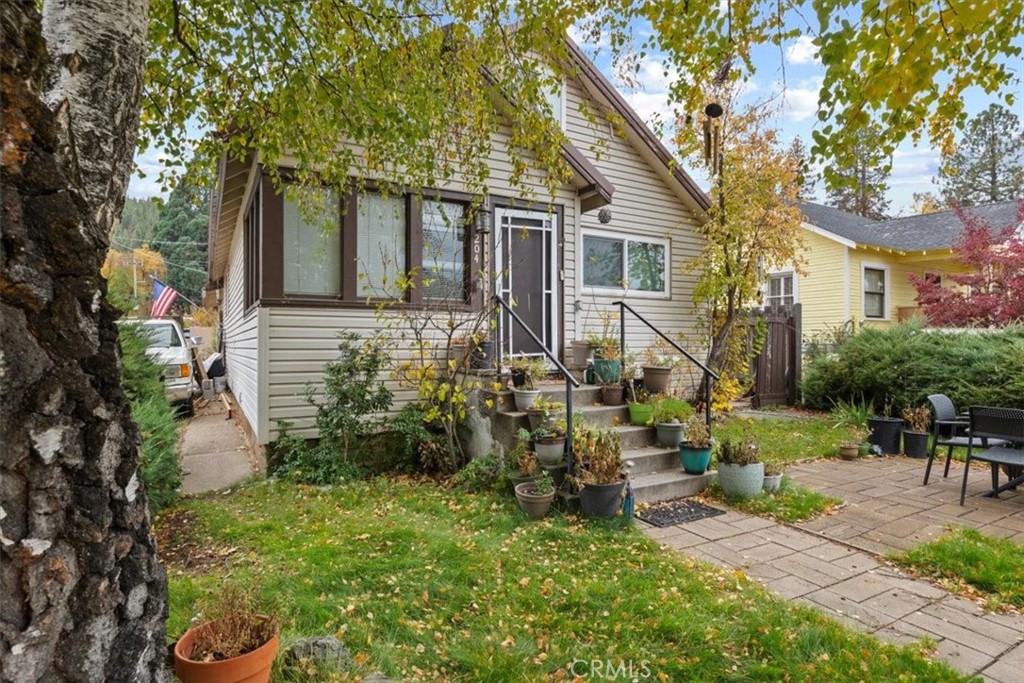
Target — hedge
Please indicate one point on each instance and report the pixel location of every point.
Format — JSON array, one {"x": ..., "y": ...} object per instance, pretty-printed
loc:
[{"x": 901, "y": 365}]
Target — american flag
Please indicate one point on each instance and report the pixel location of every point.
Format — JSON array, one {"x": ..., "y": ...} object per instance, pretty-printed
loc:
[{"x": 163, "y": 298}]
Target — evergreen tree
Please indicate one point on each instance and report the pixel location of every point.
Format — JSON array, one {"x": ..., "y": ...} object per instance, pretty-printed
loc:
[
  {"x": 859, "y": 187},
  {"x": 988, "y": 164},
  {"x": 137, "y": 224},
  {"x": 180, "y": 237},
  {"x": 806, "y": 178}
]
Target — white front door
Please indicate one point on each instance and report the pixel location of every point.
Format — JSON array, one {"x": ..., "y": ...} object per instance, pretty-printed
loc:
[{"x": 526, "y": 257}]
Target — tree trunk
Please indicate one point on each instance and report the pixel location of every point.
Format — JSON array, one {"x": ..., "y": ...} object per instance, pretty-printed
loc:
[{"x": 83, "y": 596}]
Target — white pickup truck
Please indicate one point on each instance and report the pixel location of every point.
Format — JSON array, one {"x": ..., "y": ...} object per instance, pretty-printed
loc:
[{"x": 170, "y": 349}]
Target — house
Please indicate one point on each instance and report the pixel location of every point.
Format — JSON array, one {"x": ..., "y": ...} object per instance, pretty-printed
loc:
[
  {"x": 628, "y": 215},
  {"x": 857, "y": 270}
]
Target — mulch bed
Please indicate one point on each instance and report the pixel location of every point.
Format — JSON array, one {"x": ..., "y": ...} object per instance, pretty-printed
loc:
[{"x": 677, "y": 511}]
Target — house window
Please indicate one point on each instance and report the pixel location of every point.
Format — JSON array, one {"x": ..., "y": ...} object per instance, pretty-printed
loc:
[
  {"x": 444, "y": 250},
  {"x": 311, "y": 239},
  {"x": 633, "y": 263},
  {"x": 874, "y": 293},
  {"x": 381, "y": 229},
  {"x": 251, "y": 248},
  {"x": 935, "y": 278},
  {"x": 780, "y": 290}
]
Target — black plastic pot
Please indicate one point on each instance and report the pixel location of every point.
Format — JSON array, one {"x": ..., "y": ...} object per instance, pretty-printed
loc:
[
  {"x": 915, "y": 444},
  {"x": 483, "y": 356},
  {"x": 601, "y": 500},
  {"x": 518, "y": 379},
  {"x": 885, "y": 433}
]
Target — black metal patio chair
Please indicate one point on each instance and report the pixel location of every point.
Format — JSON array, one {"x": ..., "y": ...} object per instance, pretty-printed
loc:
[
  {"x": 950, "y": 429},
  {"x": 1003, "y": 424}
]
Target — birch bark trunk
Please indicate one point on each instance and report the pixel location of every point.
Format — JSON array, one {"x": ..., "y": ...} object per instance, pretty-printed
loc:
[{"x": 84, "y": 598}]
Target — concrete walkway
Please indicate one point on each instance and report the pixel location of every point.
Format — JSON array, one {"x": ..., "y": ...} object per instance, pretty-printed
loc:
[
  {"x": 213, "y": 452},
  {"x": 843, "y": 576}
]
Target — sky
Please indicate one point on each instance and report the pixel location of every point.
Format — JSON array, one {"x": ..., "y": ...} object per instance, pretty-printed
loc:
[{"x": 789, "y": 79}]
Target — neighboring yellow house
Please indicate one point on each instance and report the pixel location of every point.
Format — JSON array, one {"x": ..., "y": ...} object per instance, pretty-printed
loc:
[{"x": 857, "y": 270}]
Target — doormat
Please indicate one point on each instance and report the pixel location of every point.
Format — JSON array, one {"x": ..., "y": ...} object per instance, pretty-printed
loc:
[{"x": 677, "y": 512}]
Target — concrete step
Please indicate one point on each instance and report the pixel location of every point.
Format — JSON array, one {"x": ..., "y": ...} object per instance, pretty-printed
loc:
[
  {"x": 668, "y": 484},
  {"x": 651, "y": 459},
  {"x": 505, "y": 402}
]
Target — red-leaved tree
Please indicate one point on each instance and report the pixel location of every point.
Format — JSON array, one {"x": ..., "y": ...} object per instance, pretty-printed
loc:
[{"x": 991, "y": 291}]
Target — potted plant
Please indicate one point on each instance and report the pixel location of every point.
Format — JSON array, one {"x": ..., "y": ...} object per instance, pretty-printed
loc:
[
  {"x": 549, "y": 444},
  {"x": 849, "y": 450},
  {"x": 695, "y": 449},
  {"x": 608, "y": 361},
  {"x": 582, "y": 352},
  {"x": 544, "y": 412},
  {"x": 915, "y": 436},
  {"x": 640, "y": 405},
  {"x": 482, "y": 355},
  {"x": 657, "y": 368},
  {"x": 740, "y": 470},
  {"x": 236, "y": 644},
  {"x": 598, "y": 458},
  {"x": 852, "y": 415},
  {"x": 526, "y": 371},
  {"x": 522, "y": 462},
  {"x": 458, "y": 350},
  {"x": 669, "y": 416},
  {"x": 884, "y": 432},
  {"x": 535, "y": 496},
  {"x": 772, "y": 477},
  {"x": 612, "y": 393}
]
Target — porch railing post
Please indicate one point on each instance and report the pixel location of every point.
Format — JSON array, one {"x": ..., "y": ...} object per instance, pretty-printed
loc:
[{"x": 622, "y": 335}]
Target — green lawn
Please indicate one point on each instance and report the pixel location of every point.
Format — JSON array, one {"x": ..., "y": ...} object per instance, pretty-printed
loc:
[
  {"x": 791, "y": 503},
  {"x": 425, "y": 583},
  {"x": 968, "y": 558},
  {"x": 782, "y": 440}
]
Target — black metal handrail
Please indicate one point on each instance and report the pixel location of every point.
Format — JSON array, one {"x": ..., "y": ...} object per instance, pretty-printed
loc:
[
  {"x": 570, "y": 381},
  {"x": 708, "y": 372}
]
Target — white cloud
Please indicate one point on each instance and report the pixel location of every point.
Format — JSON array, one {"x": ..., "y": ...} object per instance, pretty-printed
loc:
[
  {"x": 151, "y": 164},
  {"x": 800, "y": 101},
  {"x": 583, "y": 33},
  {"x": 803, "y": 51}
]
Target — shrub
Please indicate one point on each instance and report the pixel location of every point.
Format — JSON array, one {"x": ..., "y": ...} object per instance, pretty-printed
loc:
[
  {"x": 291, "y": 457},
  {"x": 481, "y": 474},
  {"x": 903, "y": 364},
  {"x": 158, "y": 427}
]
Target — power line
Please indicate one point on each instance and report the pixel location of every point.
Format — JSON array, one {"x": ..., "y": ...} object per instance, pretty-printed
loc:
[
  {"x": 145, "y": 241},
  {"x": 166, "y": 262}
]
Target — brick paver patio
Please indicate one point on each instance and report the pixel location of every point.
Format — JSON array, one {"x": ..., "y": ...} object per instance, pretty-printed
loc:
[{"x": 832, "y": 565}]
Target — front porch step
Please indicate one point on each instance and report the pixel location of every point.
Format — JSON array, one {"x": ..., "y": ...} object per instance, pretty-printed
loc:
[
  {"x": 667, "y": 485},
  {"x": 505, "y": 402},
  {"x": 650, "y": 459}
]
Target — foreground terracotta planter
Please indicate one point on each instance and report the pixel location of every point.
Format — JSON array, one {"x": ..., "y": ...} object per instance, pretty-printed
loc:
[{"x": 252, "y": 667}]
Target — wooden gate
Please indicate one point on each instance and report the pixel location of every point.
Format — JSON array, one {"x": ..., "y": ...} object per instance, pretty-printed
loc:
[{"x": 777, "y": 367}]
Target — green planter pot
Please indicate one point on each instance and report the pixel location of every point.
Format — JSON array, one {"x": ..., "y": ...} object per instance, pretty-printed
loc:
[
  {"x": 741, "y": 481},
  {"x": 670, "y": 434},
  {"x": 640, "y": 413},
  {"x": 694, "y": 460},
  {"x": 607, "y": 371}
]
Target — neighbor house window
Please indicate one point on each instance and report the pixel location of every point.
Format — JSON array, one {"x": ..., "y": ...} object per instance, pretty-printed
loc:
[
  {"x": 935, "y": 278},
  {"x": 381, "y": 229},
  {"x": 874, "y": 293},
  {"x": 618, "y": 262},
  {"x": 311, "y": 239},
  {"x": 780, "y": 290}
]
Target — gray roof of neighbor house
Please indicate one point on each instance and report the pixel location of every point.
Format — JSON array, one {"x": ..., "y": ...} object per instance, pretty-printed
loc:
[{"x": 926, "y": 232}]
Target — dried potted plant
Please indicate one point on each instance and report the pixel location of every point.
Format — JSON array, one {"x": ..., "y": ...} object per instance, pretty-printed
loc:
[
  {"x": 669, "y": 416},
  {"x": 522, "y": 462},
  {"x": 598, "y": 458},
  {"x": 740, "y": 470},
  {"x": 544, "y": 412},
  {"x": 526, "y": 372},
  {"x": 772, "y": 477},
  {"x": 535, "y": 496},
  {"x": 695, "y": 449},
  {"x": 608, "y": 362},
  {"x": 237, "y": 644},
  {"x": 915, "y": 435},
  {"x": 549, "y": 444}
]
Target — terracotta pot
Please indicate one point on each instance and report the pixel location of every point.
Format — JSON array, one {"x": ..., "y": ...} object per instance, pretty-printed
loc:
[
  {"x": 252, "y": 667},
  {"x": 849, "y": 451},
  {"x": 581, "y": 353}
]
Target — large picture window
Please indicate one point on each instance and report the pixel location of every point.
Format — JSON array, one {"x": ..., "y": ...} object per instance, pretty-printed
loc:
[
  {"x": 323, "y": 247},
  {"x": 874, "y": 293},
  {"x": 637, "y": 264}
]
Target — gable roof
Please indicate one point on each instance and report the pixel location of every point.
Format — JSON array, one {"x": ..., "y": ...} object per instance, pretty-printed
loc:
[
  {"x": 926, "y": 232},
  {"x": 640, "y": 135}
]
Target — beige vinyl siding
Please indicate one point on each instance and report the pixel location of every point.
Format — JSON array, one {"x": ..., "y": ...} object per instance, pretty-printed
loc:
[
  {"x": 643, "y": 205},
  {"x": 241, "y": 336}
]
